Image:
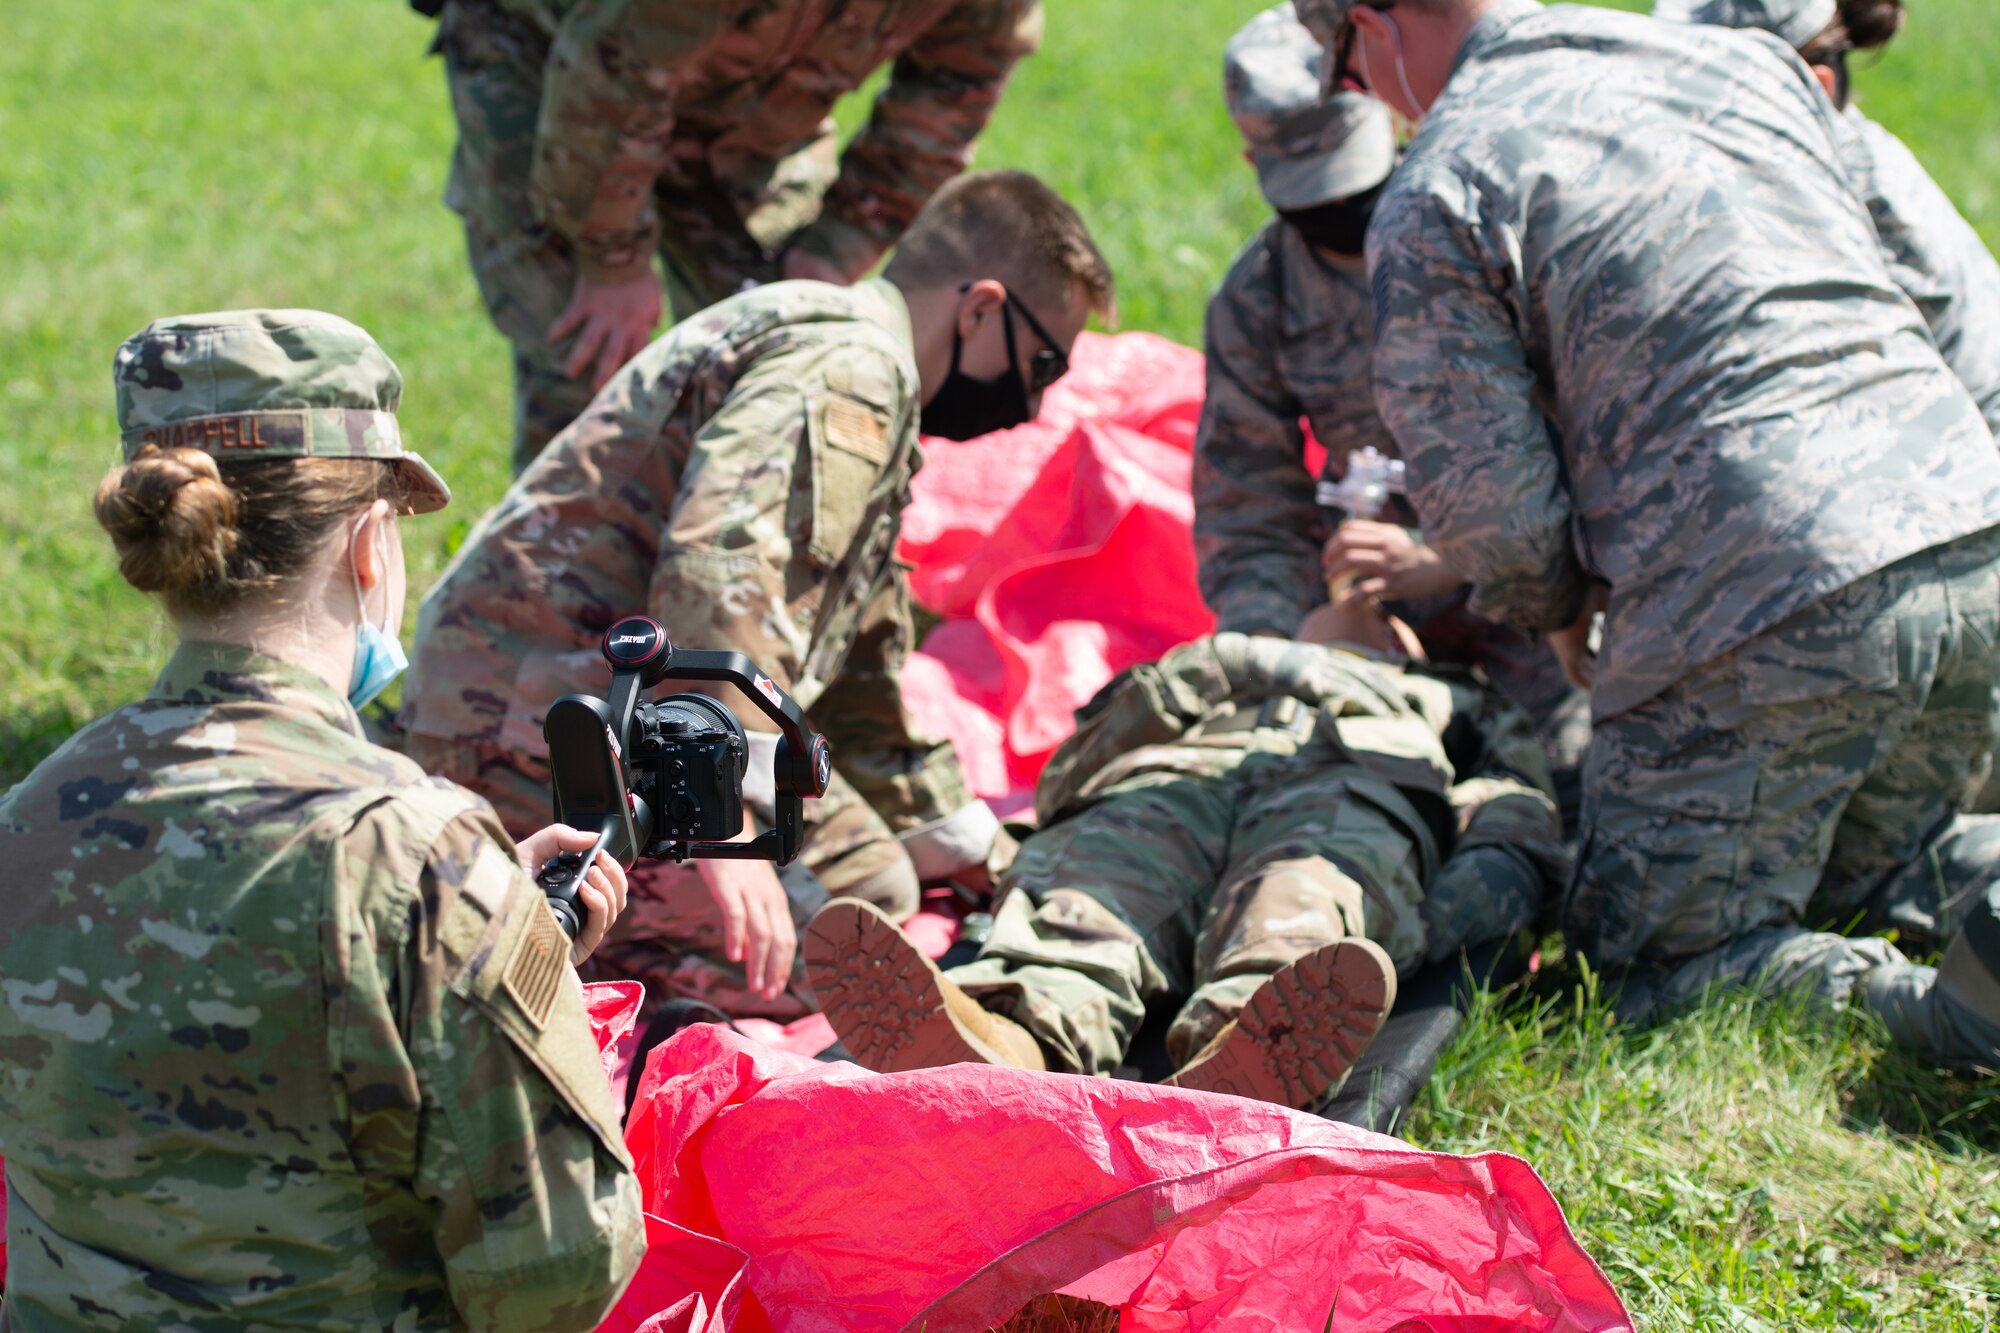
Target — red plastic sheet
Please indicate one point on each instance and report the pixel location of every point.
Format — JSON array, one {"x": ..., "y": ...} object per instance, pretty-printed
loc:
[
  {"x": 1058, "y": 553},
  {"x": 794, "y": 1196},
  {"x": 613, "y": 1007}
]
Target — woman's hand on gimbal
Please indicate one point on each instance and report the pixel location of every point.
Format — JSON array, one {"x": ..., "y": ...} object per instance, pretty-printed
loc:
[{"x": 603, "y": 891}]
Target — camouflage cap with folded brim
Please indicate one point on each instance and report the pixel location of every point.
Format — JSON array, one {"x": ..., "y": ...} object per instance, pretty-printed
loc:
[
  {"x": 257, "y": 384},
  {"x": 1795, "y": 21},
  {"x": 1308, "y": 148}
]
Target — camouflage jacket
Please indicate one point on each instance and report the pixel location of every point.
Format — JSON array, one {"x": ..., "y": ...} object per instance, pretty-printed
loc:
[
  {"x": 1439, "y": 751},
  {"x": 1643, "y": 231},
  {"x": 632, "y": 87},
  {"x": 290, "y": 1039},
  {"x": 742, "y": 480},
  {"x": 1935, "y": 256},
  {"x": 1288, "y": 336}
]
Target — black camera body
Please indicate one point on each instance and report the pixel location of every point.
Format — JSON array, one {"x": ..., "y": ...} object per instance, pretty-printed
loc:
[
  {"x": 688, "y": 761},
  {"x": 663, "y": 778}
]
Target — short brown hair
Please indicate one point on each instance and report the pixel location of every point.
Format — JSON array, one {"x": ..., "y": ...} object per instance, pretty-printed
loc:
[
  {"x": 1010, "y": 226},
  {"x": 1860, "y": 25},
  {"x": 207, "y": 536}
]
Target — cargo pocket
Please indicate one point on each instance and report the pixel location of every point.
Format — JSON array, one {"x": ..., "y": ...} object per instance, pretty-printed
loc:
[{"x": 850, "y": 443}]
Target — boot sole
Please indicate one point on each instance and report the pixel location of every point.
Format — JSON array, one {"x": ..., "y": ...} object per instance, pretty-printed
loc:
[
  {"x": 882, "y": 995},
  {"x": 1302, "y": 1030}
]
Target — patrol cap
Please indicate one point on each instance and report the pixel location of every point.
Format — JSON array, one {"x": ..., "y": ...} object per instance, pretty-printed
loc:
[
  {"x": 1308, "y": 148},
  {"x": 1795, "y": 21},
  {"x": 243, "y": 384}
]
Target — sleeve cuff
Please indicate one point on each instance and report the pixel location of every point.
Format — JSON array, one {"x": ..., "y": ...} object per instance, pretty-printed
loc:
[{"x": 957, "y": 842}]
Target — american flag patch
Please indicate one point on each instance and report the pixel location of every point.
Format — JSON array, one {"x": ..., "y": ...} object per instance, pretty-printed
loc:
[{"x": 536, "y": 968}]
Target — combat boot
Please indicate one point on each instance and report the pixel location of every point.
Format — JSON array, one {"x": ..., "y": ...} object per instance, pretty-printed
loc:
[
  {"x": 1302, "y": 1030},
  {"x": 892, "y": 1007}
]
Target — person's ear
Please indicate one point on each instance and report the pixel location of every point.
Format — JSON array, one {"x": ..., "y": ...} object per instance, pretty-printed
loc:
[
  {"x": 977, "y": 303},
  {"x": 1369, "y": 22},
  {"x": 369, "y": 545},
  {"x": 1829, "y": 80}
]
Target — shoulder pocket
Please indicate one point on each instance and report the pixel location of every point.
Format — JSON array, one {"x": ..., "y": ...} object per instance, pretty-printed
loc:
[
  {"x": 518, "y": 975},
  {"x": 850, "y": 442}
]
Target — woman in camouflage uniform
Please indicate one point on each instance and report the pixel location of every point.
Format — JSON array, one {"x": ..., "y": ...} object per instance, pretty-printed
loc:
[{"x": 290, "y": 1039}]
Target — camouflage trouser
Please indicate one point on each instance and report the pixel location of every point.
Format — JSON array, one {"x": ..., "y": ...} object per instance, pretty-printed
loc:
[
  {"x": 670, "y": 934},
  {"x": 1195, "y": 889},
  {"x": 1806, "y": 783},
  {"x": 526, "y": 273},
  {"x": 1525, "y": 670}
]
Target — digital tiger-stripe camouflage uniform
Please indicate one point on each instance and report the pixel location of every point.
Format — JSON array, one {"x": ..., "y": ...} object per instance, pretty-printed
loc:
[
  {"x": 1934, "y": 254},
  {"x": 290, "y": 1040},
  {"x": 742, "y": 482},
  {"x": 1289, "y": 338},
  {"x": 594, "y": 133},
  {"x": 1245, "y": 801},
  {"x": 1751, "y": 439}
]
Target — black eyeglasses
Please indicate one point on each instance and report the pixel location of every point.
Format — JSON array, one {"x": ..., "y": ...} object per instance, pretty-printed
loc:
[
  {"x": 1044, "y": 367},
  {"x": 1049, "y": 364}
]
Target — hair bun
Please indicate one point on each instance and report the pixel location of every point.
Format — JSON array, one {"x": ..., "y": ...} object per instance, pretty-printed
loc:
[
  {"x": 172, "y": 518},
  {"x": 1871, "y": 23}
]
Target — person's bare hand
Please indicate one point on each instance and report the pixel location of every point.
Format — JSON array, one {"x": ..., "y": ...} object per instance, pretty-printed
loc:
[
  {"x": 1572, "y": 649},
  {"x": 604, "y": 887},
  {"x": 803, "y": 264},
  {"x": 1386, "y": 561},
  {"x": 757, "y": 927},
  {"x": 613, "y": 321},
  {"x": 1572, "y": 645}
]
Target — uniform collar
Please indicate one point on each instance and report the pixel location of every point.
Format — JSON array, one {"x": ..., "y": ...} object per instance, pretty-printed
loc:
[
  {"x": 883, "y": 303},
  {"x": 226, "y": 673},
  {"x": 1491, "y": 27},
  {"x": 1304, "y": 276}
]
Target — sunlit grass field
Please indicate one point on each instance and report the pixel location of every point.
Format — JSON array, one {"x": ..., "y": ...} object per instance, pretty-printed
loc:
[{"x": 1744, "y": 1167}]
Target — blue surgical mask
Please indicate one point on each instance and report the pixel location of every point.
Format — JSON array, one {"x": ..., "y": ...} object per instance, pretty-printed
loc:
[{"x": 378, "y": 656}]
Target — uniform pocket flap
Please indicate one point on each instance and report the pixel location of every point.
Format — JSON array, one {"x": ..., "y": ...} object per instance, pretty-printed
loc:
[
  {"x": 849, "y": 444},
  {"x": 521, "y": 980}
]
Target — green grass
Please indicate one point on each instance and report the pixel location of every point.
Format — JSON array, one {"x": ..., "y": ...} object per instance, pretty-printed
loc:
[
  {"x": 1749, "y": 1165},
  {"x": 1743, "y": 1167}
]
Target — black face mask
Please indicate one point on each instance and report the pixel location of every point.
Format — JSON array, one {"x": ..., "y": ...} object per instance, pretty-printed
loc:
[
  {"x": 965, "y": 408},
  {"x": 1341, "y": 226}
]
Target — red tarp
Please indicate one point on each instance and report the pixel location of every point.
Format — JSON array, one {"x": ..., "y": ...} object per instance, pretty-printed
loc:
[
  {"x": 792, "y": 1195},
  {"x": 1058, "y": 554}
]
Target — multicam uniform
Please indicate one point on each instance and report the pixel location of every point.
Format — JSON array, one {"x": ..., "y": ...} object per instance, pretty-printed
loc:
[
  {"x": 1784, "y": 487},
  {"x": 594, "y": 132},
  {"x": 1289, "y": 337},
  {"x": 742, "y": 482},
  {"x": 290, "y": 1038},
  {"x": 1241, "y": 803}
]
